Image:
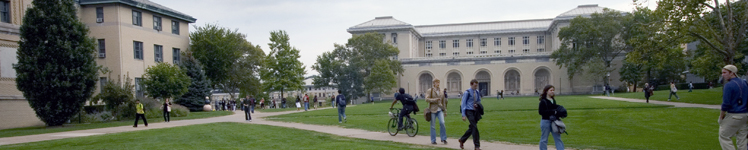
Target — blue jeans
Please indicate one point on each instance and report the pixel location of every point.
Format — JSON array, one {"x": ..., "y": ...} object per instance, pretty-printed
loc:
[
  {"x": 341, "y": 113},
  {"x": 306, "y": 106},
  {"x": 252, "y": 108},
  {"x": 442, "y": 130},
  {"x": 545, "y": 128}
]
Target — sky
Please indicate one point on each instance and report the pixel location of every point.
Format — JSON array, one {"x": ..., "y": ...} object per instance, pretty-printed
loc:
[{"x": 314, "y": 26}]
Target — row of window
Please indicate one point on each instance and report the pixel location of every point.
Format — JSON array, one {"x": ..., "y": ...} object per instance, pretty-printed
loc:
[
  {"x": 157, "y": 52},
  {"x": 137, "y": 19},
  {"x": 511, "y": 51},
  {"x": 484, "y": 42}
]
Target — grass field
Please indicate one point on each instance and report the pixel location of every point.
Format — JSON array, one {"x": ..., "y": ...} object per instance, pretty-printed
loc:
[
  {"x": 75, "y": 126},
  {"x": 216, "y": 136},
  {"x": 699, "y": 96},
  {"x": 592, "y": 123}
]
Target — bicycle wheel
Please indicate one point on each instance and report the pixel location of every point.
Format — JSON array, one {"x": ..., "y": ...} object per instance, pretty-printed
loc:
[
  {"x": 412, "y": 128},
  {"x": 392, "y": 127}
]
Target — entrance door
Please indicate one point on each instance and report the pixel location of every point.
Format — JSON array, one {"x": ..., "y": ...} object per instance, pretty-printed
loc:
[{"x": 483, "y": 87}]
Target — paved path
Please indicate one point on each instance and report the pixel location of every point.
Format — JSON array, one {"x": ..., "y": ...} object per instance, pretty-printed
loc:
[
  {"x": 675, "y": 104},
  {"x": 258, "y": 119}
]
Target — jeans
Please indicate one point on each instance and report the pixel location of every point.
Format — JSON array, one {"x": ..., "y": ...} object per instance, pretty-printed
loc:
[
  {"x": 252, "y": 108},
  {"x": 138, "y": 116},
  {"x": 442, "y": 130},
  {"x": 545, "y": 128},
  {"x": 671, "y": 95},
  {"x": 306, "y": 106},
  {"x": 405, "y": 112},
  {"x": 341, "y": 113},
  {"x": 472, "y": 128},
  {"x": 247, "y": 115},
  {"x": 734, "y": 125},
  {"x": 166, "y": 116}
]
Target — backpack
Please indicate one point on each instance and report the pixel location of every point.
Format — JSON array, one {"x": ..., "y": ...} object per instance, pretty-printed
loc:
[
  {"x": 341, "y": 100},
  {"x": 407, "y": 99},
  {"x": 559, "y": 127}
]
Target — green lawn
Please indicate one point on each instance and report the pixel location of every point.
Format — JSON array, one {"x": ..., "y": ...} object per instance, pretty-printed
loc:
[
  {"x": 592, "y": 123},
  {"x": 75, "y": 126},
  {"x": 698, "y": 96},
  {"x": 217, "y": 136}
]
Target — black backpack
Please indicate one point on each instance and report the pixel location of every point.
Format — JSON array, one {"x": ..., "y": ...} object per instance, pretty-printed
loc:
[{"x": 407, "y": 99}]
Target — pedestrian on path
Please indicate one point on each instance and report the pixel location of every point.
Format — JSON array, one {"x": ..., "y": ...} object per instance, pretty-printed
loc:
[
  {"x": 437, "y": 107},
  {"x": 340, "y": 100},
  {"x": 167, "y": 110},
  {"x": 306, "y": 102},
  {"x": 247, "y": 112},
  {"x": 315, "y": 102},
  {"x": 647, "y": 91},
  {"x": 690, "y": 86},
  {"x": 139, "y": 113},
  {"x": 252, "y": 103},
  {"x": 298, "y": 103},
  {"x": 262, "y": 103},
  {"x": 547, "y": 110},
  {"x": 283, "y": 103},
  {"x": 673, "y": 91},
  {"x": 733, "y": 119},
  {"x": 470, "y": 100}
]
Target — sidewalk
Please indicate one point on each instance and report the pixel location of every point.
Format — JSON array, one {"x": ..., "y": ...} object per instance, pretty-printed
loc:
[
  {"x": 257, "y": 118},
  {"x": 675, "y": 104}
]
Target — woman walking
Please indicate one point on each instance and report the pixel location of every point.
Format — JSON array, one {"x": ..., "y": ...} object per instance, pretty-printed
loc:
[
  {"x": 167, "y": 109},
  {"x": 647, "y": 91},
  {"x": 547, "y": 110},
  {"x": 437, "y": 107}
]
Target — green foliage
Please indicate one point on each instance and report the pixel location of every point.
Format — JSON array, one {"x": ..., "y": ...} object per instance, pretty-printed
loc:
[
  {"x": 591, "y": 41},
  {"x": 654, "y": 50},
  {"x": 56, "y": 70},
  {"x": 360, "y": 66},
  {"x": 217, "y": 49},
  {"x": 283, "y": 70},
  {"x": 115, "y": 94},
  {"x": 631, "y": 73},
  {"x": 165, "y": 81},
  {"x": 246, "y": 73},
  {"x": 194, "y": 99}
]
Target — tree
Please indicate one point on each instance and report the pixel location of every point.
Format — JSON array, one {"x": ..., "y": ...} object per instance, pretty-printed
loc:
[
  {"x": 631, "y": 73},
  {"x": 56, "y": 70},
  {"x": 194, "y": 99},
  {"x": 217, "y": 49},
  {"x": 245, "y": 77},
  {"x": 358, "y": 67},
  {"x": 165, "y": 81},
  {"x": 115, "y": 93},
  {"x": 283, "y": 69},
  {"x": 593, "y": 39}
]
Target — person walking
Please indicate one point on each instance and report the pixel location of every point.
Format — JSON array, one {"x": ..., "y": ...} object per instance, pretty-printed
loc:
[
  {"x": 298, "y": 103},
  {"x": 408, "y": 106},
  {"x": 340, "y": 100},
  {"x": 673, "y": 91},
  {"x": 139, "y": 113},
  {"x": 733, "y": 117},
  {"x": 470, "y": 100},
  {"x": 647, "y": 91},
  {"x": 437, "y": 107},
  {"x": 547, "y": 111},
  {"x": 252, "y": 103},
  {"x": 262, "y": 103},
  {"x": 332, "y": 101},
  {"x": 445, "y": 93},
  {"x": 283, "y": 103},
  {"x": 690, "y": 86},
  {"x": 247, "y": 112},
  {"x": 314, "y": 103},
  {"x": 167, "y": 110},
  {"x": 306, "y": 102}
]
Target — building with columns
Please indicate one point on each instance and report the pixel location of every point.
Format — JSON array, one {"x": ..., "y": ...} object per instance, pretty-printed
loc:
[{"x": 513, "y": 56}]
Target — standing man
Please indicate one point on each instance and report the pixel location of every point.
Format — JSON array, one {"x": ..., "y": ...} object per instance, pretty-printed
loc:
[
  {"x": 306, "y": 102},
  {"x": 340, "y": 100},
  {"x": 139, "y": 113},
  {"x": 690, "y": 86},
  {"x": 283, "y": 103},
  {"x": 733, "y": 119},
  {"x": 247, "y": 115},
  {"x": 252, "y": 104},
  {"x": 437, "y": 107},
  {"x": 501, "y": 94},
  {"x": 673, "y": 89},
  {"x": 469, "y": 100}
]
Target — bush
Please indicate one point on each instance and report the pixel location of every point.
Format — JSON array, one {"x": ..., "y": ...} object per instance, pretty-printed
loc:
[
  {"x": 94, "y": 109},
  {"x": 103, "y": 116}
]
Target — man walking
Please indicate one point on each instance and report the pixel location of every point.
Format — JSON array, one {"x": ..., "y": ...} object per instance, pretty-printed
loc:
[
  {"x": 139, "y": 113},
  {"x": 340, "y": 100},
  {"x": 252, "y": 104},
  {"x": 469, "y": 101},
  {"x": 690, "y": 86},
  {"x": 673, "y": 91},
  {"x": 247, "y": 115},
  {"x": 733, "y": 119}
]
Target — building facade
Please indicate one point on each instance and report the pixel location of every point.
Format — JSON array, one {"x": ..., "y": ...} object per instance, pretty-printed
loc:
[{"x": 513, "y": 56}]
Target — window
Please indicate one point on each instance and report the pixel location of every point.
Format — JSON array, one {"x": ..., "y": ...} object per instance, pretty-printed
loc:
[
  {"x": 469, "y": 42},
  {"x": 158, "y": 52},
  {"x": 442, "y": 44},
  {"x": 394, "y": 38},
  {"x": 526, "y": 40},
  {"x": 483, "y": 42},
  {"x": 511, "y": 51},
  {"x": 526, "y": 51},
  {"x": 99, "y": 14},
  {"x": 137, "y": 18},
  {"x": 138, "y": 48},
  {"x": 156, "y": 23},
  {"x": 541, "y": 40},
  {"x": 511, "y": 41},
  {"x": 483, "y": 52},
  {"x": 5, "y": 11},
  {"x": 102, "y": 83},
  {"x": 442, "y": 54},
  {"x": 497, "y": 41},
  {"x": 497, "y": 51},
  {"x": 175, "y": 27},
  {"x": 177, "y": 53},
  {"x": 428, "y": 55},
  {"x": 541, "y": 50},
  {"x": 455, "y": 43},
  {"x": 428, "y": 44},
  {"x": 139, "y": 87},
  {"x": 469, "y": 53},
  {"x": 102, "y": 48},
  {"x": 455, "y": 53}
]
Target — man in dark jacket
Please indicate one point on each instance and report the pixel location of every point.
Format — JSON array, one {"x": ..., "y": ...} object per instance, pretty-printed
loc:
[
  {"x": 340, "y": 100},
  {"x": 247, "y": 115},
  {"x": 408, "y": 107}
]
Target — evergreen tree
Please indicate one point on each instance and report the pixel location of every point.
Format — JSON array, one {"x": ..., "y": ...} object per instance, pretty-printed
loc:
[
  {"x": 56, "y": 70},
  {"x": 194, "y": 99}
]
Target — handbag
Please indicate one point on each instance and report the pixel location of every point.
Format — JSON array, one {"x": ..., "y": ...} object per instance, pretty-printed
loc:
[{"x": 168, "y": 108}]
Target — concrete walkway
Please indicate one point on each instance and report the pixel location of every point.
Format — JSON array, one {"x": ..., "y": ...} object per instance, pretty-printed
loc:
[
  {"x": 258, "y": 119},
  {"x": 675, "y": 104}
]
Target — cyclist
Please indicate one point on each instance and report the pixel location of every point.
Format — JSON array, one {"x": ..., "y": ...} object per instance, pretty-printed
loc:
[{"x": 408, "y": 106}]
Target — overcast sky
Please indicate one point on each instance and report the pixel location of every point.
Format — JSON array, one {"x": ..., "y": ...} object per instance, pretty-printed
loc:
[{"x": 315, "y": 25}]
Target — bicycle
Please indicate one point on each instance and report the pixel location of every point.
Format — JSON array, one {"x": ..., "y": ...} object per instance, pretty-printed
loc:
[{"x": 410, "y": 125}]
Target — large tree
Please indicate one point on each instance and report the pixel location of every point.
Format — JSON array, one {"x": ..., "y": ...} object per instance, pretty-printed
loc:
[
  {"x": 363, "y": 65},
  {"x": 245, "y": 77},
  {"x": 590, "y": 40},
  {"x": 283, "y": 70},
  {"x": 194, "y": 99},
  {"x": 165, "y": 81},
  {"x": 56, "y": 70}
]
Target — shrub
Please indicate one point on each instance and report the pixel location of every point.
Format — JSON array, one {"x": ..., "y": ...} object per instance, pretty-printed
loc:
[{"x": 179, "y": 111}]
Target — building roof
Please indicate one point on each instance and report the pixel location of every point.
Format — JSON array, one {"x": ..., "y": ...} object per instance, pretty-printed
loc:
[
  {"x": 380, "y": 23},
  {"x": 484, "y": 27},
  {"x": 147, "y": 5},
  {"x": 583, "y": 10}
]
